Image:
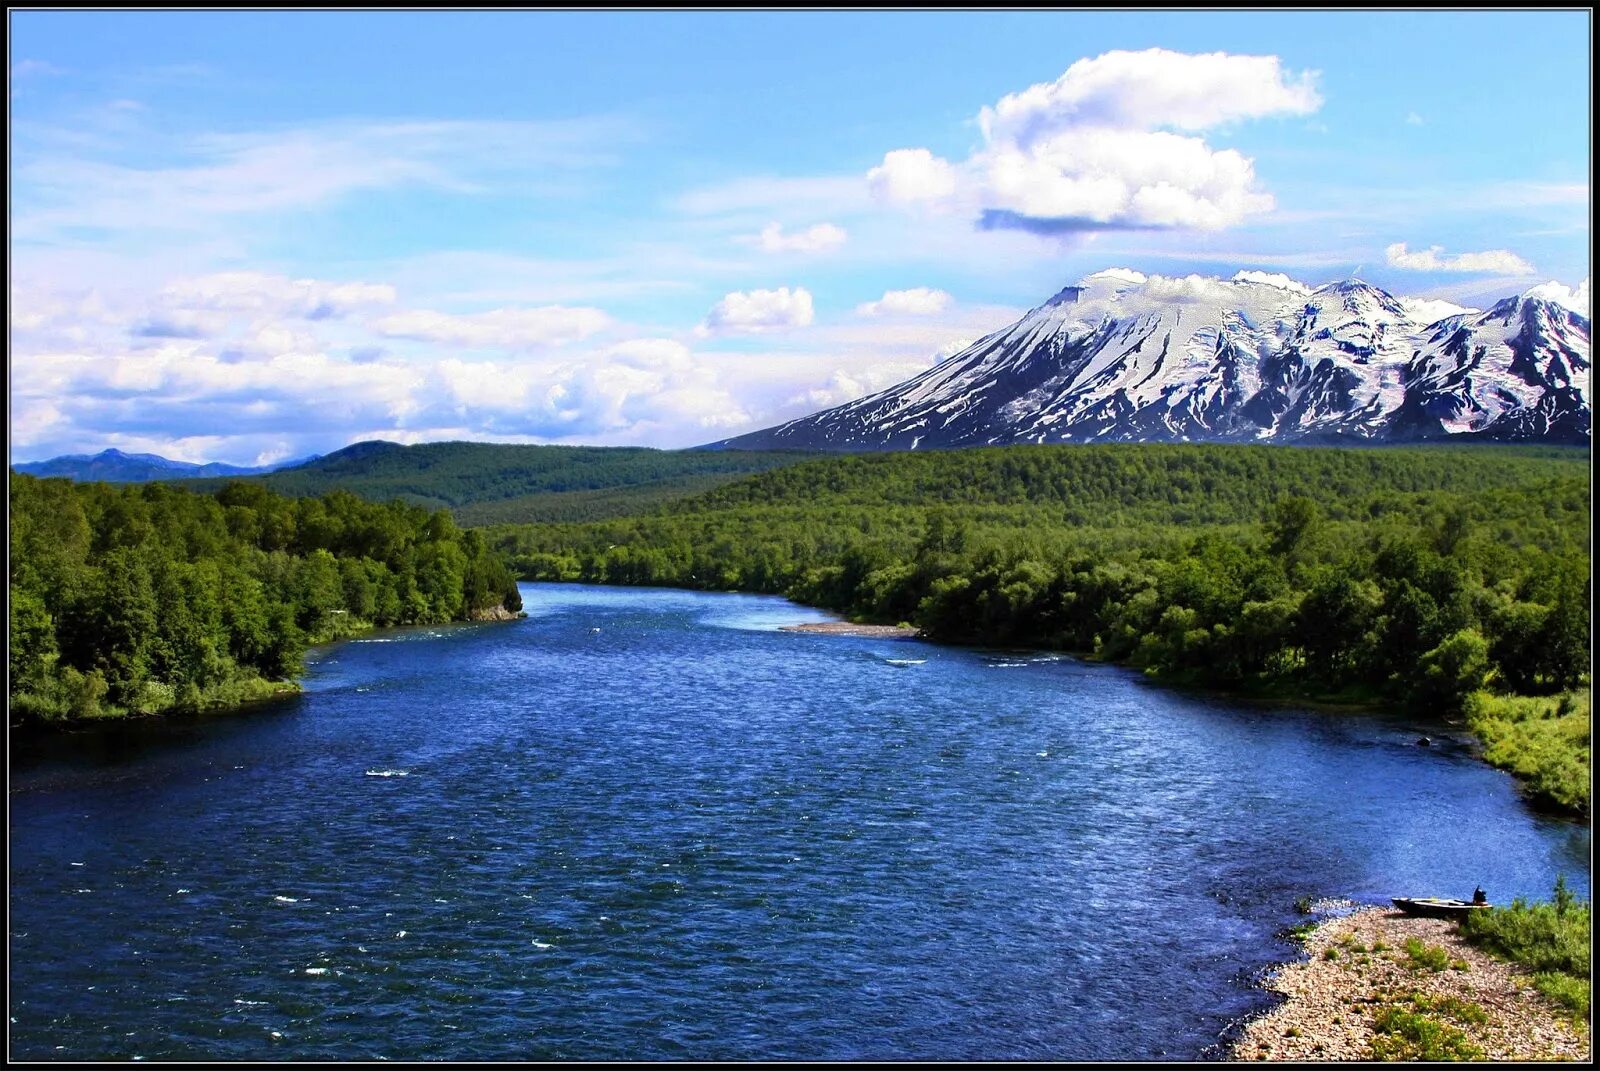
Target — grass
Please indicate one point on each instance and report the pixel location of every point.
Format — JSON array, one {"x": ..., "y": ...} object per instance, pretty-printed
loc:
[
  {"x": 1300, "y": 931},
  {"x": 1550, "y": 939},
  {"x": 1462, "y": 1011},
  {"x": 1544, "y": 741},
  {"x": 1422, "y": 956},
  {"x": 1415, "y": 1029},
  {"x": 1411, "y": 1035}
]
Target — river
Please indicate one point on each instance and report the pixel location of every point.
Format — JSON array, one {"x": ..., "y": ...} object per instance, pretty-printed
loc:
[{"x": 648, "y": 824}]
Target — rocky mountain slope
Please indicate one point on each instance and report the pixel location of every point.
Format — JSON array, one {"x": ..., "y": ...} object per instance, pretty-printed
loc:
[{"x": 1128, "y": 357}]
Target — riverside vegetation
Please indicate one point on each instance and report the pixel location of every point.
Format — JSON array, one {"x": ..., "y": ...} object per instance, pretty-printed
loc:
[
  {"x": 139, "y": 599},
  {"x": 1449, "y": 579}
]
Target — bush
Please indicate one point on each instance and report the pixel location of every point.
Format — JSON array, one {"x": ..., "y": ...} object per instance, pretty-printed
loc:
[
  {"x": 1425, "y": 957},
  {"x": 1404, "y": 1035},
  {"x": 1551, "y": 939}
]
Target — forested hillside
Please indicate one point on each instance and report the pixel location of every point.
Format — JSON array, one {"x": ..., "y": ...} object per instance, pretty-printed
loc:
[
  {"x": 1419, "y": 575},
  {"x": 145, "y": 598},
  {"x": 488, "y": 483}
]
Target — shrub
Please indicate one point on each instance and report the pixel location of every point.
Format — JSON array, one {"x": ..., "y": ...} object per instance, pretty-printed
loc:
[
  {"x": 1425, "y": 957},
  {"x": 1404, "y": 1035},
  {"x": 1551, "y": 939}
]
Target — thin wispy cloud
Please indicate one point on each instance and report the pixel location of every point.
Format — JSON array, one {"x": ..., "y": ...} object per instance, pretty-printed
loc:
[{"x": 218, "y": 176}]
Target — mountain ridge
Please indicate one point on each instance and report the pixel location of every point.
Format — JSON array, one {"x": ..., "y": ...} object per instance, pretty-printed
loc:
[
  {"x": 1125, "y": 357},
  {"x": 115, "y": 466}
]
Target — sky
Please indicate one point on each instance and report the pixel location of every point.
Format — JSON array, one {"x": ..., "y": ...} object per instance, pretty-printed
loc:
[{"x": 247, "y": 236}]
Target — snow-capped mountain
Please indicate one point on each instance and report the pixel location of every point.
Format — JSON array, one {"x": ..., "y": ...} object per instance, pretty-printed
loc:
[{"x": 1125, "y": 357}]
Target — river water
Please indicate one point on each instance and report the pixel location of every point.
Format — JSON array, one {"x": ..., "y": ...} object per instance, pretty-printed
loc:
[{"x": 648, "y": 824}]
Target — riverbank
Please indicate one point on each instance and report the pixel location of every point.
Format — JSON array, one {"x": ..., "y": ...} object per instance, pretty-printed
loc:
[
  {"x": 82, "y": 703},
  {"x": 1362, "y": 994}
]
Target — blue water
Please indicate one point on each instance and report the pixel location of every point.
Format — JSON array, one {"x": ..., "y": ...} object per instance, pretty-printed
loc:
[{"x": 648, "y": 824}]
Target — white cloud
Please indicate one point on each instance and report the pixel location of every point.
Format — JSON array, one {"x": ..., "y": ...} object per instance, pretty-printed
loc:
[
  {"x": 1498, "y": 261},
  {"x": 257, "y": 292},
  {"x": 1576, "y": 299},
  {"x": 1413, "y": 119},
  {"x": 1277, "y": 279},
  {"x": 1116, "y": 276},
  {"x": 755, "y": 311},
  {"x": 1097, "y": 149},
  {"x": 1431, "y": 310},
  {"x": 912, "y": 176},
  {"x": 1152, "y": 89},
  {"x": 918, "y": 301},
  {"x": 499, "y": 328},
  {"x": 1123, "y": 292},
  {"x": 814, "y": 239},
  {"x": 951, "y": 348}
]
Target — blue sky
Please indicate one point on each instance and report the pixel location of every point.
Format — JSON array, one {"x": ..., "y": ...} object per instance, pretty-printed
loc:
[{"x": 242, "y": 236}]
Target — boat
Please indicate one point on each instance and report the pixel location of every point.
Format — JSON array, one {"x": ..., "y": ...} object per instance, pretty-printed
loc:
[{"x": 1435, "y": 907}]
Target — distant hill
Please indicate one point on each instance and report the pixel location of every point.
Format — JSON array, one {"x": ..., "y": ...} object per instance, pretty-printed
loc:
[
  {"x": 489, "y": 483},
  {"x": 114, "y": 466}
]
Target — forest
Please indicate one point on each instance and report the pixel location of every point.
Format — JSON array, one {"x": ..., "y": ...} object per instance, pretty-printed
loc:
[
  {"x": 1441, "y": 579},
  {"x": 491, "y": 483},
  {"x": 145, "y": 598}
]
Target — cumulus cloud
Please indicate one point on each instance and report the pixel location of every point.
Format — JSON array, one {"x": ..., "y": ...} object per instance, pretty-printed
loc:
[
  {"x": 1431, "y": 310},
  {"x": 918, "y": 301},
  {"x": 1277, "y": 279},
  {"x": 1127, "y": 276},
  {"x": 1497, "y": 261},
  {"x": 814, "y": 239},
  {"x": 1574, "y": 298},
  {"x": 755, "y": 311},
  {"x": 912, "y": 176},
  {"x": 1111, "y": 145},
  {"x": 1154, "y": 88},
  {"x": 499, "y": 328},
  {"x": 1123, "y": 291}
]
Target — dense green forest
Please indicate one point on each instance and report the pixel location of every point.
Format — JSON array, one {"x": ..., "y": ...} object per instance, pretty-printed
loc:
[
  {"x": 143, "y": 598},
  {"x": 493, "y": 483},
  {"x": 1423, "y": 576}
]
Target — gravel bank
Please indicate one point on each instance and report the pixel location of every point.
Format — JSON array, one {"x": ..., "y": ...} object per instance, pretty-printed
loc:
[
  {"x": 846, "y": 628},
  {"x": 1332, "y": 1002}
]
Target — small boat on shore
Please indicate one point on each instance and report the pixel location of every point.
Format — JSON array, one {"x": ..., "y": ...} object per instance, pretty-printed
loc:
[{"x": 1435, "y": 907}]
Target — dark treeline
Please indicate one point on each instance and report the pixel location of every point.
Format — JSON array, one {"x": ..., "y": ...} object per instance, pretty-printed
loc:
[
  {"x": 144, "y": 598},
  {"x": 1422, "y": 576}
]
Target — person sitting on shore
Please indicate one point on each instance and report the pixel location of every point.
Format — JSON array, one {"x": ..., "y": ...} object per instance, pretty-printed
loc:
[{"x": 1479, "y": 896}]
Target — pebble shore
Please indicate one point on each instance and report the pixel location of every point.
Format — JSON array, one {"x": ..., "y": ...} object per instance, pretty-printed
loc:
[
  {"x": 847, "y": 628},
  {"x": 1332, "y": 1003}
]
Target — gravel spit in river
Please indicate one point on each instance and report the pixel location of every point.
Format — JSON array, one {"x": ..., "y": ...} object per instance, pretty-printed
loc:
[{"x": 1332, "y": 1002}]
